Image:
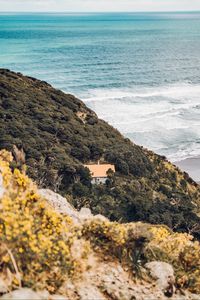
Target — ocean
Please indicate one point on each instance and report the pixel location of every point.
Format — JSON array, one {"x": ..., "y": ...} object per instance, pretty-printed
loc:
[{"x": 138, "y": 71}]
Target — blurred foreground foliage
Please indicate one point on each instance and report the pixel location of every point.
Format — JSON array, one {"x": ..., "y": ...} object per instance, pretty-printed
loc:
[{"x": 37, "y": 244}]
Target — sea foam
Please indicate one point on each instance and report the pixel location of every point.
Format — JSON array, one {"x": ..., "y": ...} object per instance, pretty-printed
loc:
[{"x": 165, "y": 119}]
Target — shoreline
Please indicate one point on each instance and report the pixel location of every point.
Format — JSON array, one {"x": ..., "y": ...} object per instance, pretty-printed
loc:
[{"x": 190, "y": 166}]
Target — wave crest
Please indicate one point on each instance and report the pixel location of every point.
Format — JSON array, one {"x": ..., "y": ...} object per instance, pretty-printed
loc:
[{"x": 165, "y": 119}]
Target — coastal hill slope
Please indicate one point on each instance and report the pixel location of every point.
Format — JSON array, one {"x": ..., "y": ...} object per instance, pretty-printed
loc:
[{"x": 54, "y": 134}]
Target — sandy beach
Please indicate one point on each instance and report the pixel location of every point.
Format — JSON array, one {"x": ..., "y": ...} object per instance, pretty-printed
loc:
[{"x": 191, "y": 166}]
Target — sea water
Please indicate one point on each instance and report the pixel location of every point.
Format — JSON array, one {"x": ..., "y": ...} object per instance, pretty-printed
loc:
[{"x": 138, "y": 71}]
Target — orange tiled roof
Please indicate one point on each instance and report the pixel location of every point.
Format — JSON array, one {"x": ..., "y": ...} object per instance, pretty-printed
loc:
[{"x": 100, "y": 170}]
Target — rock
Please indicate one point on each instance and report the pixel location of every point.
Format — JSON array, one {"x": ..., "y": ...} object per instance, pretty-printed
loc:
[
  {"x": 85, "y": 213},
  {"x": 164, "y": 274},
  {"x": 6, "y": 279},
  {"x": 58, "y": 297},
  {"x": 69, "y": 289},
  {"x": 100, "y": 217},
  {"x": 60, "y": 204},
  {"x": 3, "y": 286},
  {"x": 1, "y": 186},
  {"x": 88, "y": 291},
  {"x": 25, "y": 294}
]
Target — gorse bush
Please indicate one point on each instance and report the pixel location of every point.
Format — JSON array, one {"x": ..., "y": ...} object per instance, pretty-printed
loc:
[
  {"x": 181, "y": 251},
  {"x": 188, "y": 275},
  {"x": 35, "y": 241},
  {"x": 126, "y": 242}
]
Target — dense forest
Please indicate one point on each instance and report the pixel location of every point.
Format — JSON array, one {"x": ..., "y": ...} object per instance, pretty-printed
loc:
[{"x": 54, "y": 134}]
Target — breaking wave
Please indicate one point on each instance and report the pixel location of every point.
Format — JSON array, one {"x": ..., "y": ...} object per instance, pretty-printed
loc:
[{"x": 165, "y": 119}]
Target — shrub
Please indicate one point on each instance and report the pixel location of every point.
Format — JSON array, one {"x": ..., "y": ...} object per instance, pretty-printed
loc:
[
  {"x": 80, "y": 190},
  {"x": 125, "y": 242},
  {"x": 179, "y": 250},
  {"x": 35, "y": 241}
]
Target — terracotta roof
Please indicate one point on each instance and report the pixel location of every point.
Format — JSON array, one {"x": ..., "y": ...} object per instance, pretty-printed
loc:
[{"x": 100, "y": 170}]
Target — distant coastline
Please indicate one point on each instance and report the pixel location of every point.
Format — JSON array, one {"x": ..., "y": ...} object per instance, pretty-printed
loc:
[
  {"x": 102, "y": 12},
  {"x": 191, "y": 166}
]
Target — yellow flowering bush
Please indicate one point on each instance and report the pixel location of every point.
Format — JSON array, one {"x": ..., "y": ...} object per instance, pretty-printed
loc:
[
  {"x": 181, "y": 251},
  {"x": 5, "y": 160},
  {"x": 35, "y": 241},
  {"x": 104, "y": 233},
  {"x": 169, "y": 242},
  {"x": 188, "y": 275},
  {"x": 124, "y": 241}
]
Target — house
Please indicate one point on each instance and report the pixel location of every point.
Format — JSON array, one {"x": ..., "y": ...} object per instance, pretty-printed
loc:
[{"x": 99, "y": 172}]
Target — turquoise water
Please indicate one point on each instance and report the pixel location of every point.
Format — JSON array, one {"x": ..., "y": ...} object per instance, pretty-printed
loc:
[{"x": 140, "y": 72}]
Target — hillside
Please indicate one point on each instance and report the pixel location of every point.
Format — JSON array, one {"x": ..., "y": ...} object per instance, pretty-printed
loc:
[
  {"x": 55, "y": 133},
  {"x": 50, "y": 251}
]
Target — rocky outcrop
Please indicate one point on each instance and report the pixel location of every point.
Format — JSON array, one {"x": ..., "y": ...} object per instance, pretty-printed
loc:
[
  {"x": 79, "y": 256},
  {"x": 60, "y": 204},
  {"x": 104, "y": 281},
  {"x": 28, "y": 294}
]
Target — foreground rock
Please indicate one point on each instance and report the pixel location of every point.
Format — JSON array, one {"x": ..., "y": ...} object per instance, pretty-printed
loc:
[
  {"x": 61, "y": 205},
  {"x": 164, "y": 274},
  {"x": 28, "y": 294},
  {"x": 107, "y": 282}
]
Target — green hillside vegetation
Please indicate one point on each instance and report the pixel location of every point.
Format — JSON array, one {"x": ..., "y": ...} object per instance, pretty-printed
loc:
[{"x": 55, "y": 134}]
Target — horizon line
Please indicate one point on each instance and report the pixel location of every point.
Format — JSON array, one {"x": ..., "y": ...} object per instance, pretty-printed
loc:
[{"x": 101, "y": 12}]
